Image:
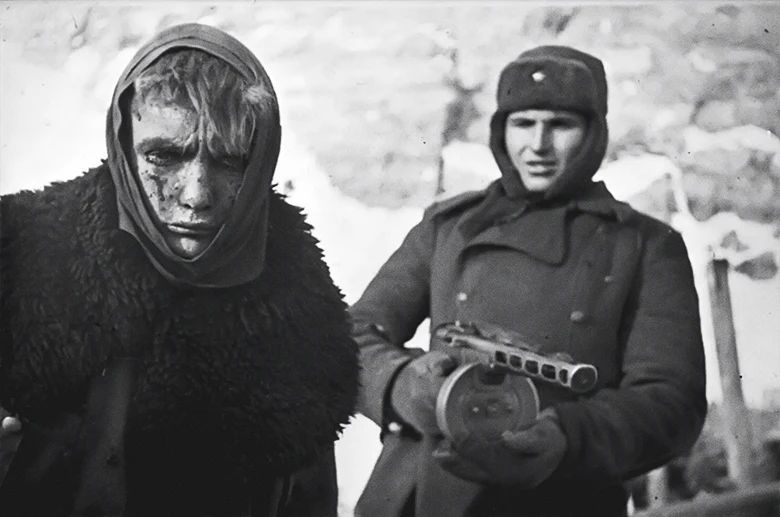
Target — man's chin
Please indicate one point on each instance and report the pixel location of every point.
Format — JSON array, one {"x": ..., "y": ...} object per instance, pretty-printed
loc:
[
  {"x": 188, "y": 247},
  {"x": 538, "y": 183}
]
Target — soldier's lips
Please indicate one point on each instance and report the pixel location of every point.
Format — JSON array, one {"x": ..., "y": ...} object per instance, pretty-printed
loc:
[{"x": 541, "y": 168}]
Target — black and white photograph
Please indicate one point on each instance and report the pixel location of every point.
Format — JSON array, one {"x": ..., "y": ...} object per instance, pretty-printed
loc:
[{"x": 374, "y": 258}]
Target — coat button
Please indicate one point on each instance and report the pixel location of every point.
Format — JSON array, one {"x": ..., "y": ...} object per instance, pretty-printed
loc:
[
  {"x": 379, "y": 329},
  {"x": 462, "y": 297},
  {"x": 113, "y": 459},
  {"x": 577, "y": 316}
]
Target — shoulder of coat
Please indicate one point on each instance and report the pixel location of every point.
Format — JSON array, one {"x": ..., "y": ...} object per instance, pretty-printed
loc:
[
  {"x": 647, "y": 224},
  {"x": 456, "y": 203},
  {"x": 627, "y": 215},
  {"x": 294, "y": 261}
]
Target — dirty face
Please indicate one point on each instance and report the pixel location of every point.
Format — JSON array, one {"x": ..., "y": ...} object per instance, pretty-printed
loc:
[
  {"x": 190, "y": 190},
  {"x": 542, "y": 144}
]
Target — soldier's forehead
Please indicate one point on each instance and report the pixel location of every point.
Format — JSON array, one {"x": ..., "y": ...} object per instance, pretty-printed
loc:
[{"x": 543, "y": 114}]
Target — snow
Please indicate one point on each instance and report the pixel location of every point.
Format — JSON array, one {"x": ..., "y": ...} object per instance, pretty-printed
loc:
[
  {"x": 732, "y": 139},
  {"x": 356, "y": 238},
  {"x": 467, "y": 166},
  {"x": 630, "y": 175},
  {"x": 47, "y": 133}
]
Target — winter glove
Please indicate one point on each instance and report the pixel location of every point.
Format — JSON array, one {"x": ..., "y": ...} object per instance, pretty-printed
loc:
[
  {"x": 522, "y": 459},
  {"x": 10, "y": 435},
  {"x": 414, "y": 392},
  {"x": 9, "y": 424}
]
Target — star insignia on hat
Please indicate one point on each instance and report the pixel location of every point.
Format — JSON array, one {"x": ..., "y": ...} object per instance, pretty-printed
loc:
[{"x": 538, "y": 76}]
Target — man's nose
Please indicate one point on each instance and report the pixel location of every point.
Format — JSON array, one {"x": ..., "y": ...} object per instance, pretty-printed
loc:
[
  {"x": 197, "y": 192},
  {"x": 540, "y": 140}
]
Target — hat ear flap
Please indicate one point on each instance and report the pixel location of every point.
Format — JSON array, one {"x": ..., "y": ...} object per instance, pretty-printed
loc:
[
  {"x": 585, "y": 163},
  {"x": 510, "y": 178}
]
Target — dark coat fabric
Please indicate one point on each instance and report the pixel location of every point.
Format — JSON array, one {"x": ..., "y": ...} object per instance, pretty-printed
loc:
[
  {"x": 598, "y": 281},
  {"x": 236, "y": 389}
]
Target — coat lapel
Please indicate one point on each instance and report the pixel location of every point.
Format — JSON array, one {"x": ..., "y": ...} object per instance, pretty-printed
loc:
[
  {"x": 542, "y": 233},
  {"x": 539, "y": 234}
]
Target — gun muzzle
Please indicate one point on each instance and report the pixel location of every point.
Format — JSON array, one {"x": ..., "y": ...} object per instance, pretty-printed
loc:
[{"x": 578, "y": 377}]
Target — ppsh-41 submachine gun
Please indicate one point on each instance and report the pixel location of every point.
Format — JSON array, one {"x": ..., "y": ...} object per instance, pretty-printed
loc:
[{"x": 492, "y": 390}]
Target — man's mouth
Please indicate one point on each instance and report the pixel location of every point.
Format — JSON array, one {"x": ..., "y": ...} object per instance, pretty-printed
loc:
[
  {"x": 540, "y": 167},
  {"x": 193, "y": 229}
]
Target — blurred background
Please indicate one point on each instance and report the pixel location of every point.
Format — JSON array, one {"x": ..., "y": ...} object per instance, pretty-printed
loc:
[{"x": 385, "y": 108}]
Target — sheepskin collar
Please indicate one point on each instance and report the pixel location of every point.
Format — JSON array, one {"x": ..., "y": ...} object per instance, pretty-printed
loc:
[{"x": 265, "y": 373}]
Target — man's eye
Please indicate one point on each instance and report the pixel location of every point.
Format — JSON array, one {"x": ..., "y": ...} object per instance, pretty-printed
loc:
[
  {"x": 563, "y": 123},
  {"x": 162, "y": 156},
  {"x": 525, "y": 123}
]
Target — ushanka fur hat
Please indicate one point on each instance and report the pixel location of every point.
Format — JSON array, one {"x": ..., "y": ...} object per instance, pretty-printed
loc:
[{"x": 553, "y": 77}]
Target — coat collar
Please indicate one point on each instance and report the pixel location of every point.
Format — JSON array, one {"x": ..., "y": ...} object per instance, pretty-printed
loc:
[
  {"x": 542, "y": 233},
  {"x": 91, "y": 294}
]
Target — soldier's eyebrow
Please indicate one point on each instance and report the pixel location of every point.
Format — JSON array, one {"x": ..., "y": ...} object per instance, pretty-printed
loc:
[
  {"x": 516, "y": 120},
  {"x": 557, "y": 117},
  {"x": 513, "y": 116}
]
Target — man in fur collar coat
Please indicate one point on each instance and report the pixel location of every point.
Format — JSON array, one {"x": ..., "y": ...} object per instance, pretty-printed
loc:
[
  {"x": 546, "y": 253},
  {"x": 172, "y": 341}
]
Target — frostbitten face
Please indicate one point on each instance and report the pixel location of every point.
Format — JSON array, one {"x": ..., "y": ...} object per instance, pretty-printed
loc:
[
  {"x": 542, "y": 144},
  {"x": 190, "y": 191}
]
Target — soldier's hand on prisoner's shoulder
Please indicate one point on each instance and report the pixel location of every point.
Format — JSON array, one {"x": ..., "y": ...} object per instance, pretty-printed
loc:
[
  {"x": 414, "y": 392},
  {"x": 523, "y": 459}
]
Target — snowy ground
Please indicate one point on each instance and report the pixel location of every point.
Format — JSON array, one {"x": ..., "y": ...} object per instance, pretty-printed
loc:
[{"x": 52, "y": 128}]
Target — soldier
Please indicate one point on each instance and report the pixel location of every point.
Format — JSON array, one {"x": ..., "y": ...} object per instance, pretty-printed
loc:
[{"x": 546, "y": 252}]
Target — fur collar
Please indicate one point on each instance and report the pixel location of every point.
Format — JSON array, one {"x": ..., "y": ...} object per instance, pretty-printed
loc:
[{"x": 265, "y": 371}]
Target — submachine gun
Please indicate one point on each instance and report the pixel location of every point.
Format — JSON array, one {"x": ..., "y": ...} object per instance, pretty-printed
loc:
[{"x": 491, "y": 391}]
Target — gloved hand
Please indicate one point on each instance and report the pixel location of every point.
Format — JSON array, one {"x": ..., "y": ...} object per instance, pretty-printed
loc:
[
  {"x": 10, "y": 435},
  {"x": 521, "y": 459},
  {"x": 414, "y": 392},
  {"x": 9, "y": 424}
]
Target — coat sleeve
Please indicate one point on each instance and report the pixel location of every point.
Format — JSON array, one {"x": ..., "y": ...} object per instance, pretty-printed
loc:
[
  {"x": 658, "y": 409},
  {"x": 388, "y": 314}
]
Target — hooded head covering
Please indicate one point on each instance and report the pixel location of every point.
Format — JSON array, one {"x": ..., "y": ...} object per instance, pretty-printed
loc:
[
  {"x": 237, "y": 253},
  {"x": 556, "y": 78}
]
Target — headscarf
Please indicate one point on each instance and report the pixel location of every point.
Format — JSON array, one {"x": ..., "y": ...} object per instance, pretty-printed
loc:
[
  {"x": 237, "y": 253},
  {"x": 547, "y": 77}
]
